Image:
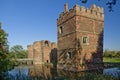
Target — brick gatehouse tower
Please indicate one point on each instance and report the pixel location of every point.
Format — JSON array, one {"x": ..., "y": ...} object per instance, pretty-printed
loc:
[{"x": 80, "y": 38}]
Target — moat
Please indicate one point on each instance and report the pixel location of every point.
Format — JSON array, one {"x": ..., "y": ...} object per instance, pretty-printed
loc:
[{"x": 42, "y": 72}]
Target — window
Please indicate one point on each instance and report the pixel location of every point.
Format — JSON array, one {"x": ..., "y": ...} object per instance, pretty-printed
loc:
[
  {"x": 47, "y": 61},
  {"x": 69, "y": 55},
  {"x": 61, "y": 30},
  {"x": 46, "y": 43},
  {"x": 85, "y": 40}
]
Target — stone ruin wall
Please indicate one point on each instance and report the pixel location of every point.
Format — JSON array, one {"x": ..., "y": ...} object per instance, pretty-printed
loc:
[{"x": 40, "y": 52}]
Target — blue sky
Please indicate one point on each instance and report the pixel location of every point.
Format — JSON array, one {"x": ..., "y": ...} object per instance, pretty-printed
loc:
[{"x": 27, "y": 21}]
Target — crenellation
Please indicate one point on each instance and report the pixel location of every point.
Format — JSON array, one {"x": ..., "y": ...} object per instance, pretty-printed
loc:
[
  {"x": 94, "y": 12},
  {"x": 98, "y": 9},
  {"x": 76, "y": 8},
  {"x": 83, "y": 9},
  {"x": 70, "y": 10},
  {"x": 65, "y": 16},
  {"x": 66, "y": 8},
  {"x": 97, "y": 13},
  {"x": 93, "y": 7},
  {"x": 88, "y": 11},
  {"x": 102, "y": 10}
]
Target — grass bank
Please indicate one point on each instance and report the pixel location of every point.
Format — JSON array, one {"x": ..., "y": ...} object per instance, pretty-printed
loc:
[{"x": 112, "y": 60}]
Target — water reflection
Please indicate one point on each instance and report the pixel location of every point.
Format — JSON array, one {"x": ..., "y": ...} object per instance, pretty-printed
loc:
[
  {"x": 41, "y": 72},
  {"x": 112, "y": 71},
  {"x": 18, "y": 73}
]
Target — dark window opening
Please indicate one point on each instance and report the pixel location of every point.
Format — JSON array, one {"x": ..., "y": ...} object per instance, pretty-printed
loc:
[
  {"x": 69, "y": 55},
  {"x": 85, "y": 39},
  {"x": 47, "y": 61},
  {"x": 46, "y": 43},
  {"x": 61, "y": 30}
]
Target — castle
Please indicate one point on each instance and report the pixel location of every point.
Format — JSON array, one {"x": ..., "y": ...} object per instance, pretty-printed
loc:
[{"x": 80, "y": 39}]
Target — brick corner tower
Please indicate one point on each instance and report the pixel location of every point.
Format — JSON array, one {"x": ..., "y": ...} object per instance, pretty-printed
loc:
[{"x": 80, "y": 38}]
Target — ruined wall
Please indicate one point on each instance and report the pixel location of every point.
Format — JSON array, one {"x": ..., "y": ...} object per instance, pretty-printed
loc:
[
  {"x": 30, "y": 51},
  {"x": 37, "y": 57},
  {"x": 46, "y": 51},
  {"x": 40, "y": 51},
  {"x": 53, "y": 55}
]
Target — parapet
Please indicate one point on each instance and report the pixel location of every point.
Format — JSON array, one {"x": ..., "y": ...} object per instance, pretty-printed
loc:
[{"x": 94, "y": 12}]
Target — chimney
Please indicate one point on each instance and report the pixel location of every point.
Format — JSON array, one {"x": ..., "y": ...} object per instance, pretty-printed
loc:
[{"x": 66, "y": 7}]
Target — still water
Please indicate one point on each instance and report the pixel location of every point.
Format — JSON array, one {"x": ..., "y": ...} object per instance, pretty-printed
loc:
[{"x": 41, "y": 72}]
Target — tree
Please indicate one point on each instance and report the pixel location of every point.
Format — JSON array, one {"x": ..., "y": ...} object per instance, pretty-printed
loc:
[
  {"x": 109, "y": 3},
  {"x": 17, "y": 51},
  {"x": 111, "y": 54},
  {"x": 5, "y": 62}
]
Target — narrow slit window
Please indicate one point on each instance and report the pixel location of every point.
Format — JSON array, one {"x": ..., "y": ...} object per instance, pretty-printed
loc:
[
  {"x": 70, "y": 55},
  {"x": 61, "y": 30},
  {"x": 85, "y": 40}
]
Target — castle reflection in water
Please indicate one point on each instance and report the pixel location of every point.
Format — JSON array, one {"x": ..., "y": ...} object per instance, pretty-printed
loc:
[{"x": 39, "y": 72}]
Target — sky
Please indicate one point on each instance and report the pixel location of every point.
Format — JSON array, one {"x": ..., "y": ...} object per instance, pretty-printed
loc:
[{"x": 27, "y": 21}]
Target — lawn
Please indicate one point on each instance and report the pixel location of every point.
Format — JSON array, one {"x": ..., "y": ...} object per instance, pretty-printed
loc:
[{"x": 112, "y": 60}]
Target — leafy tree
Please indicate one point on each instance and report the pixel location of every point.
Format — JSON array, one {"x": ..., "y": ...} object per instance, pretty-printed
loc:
[
  {"x": 17, "y": 51},
  {"x": 118, "y": 54},
  {"x": 5, "y": 62}
]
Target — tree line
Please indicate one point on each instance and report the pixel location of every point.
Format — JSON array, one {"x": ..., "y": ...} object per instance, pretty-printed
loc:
[{"x": 111, "y": 54}]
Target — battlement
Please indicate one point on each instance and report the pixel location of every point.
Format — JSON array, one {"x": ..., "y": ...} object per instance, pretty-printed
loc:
[{"x": 94, "y": 12}]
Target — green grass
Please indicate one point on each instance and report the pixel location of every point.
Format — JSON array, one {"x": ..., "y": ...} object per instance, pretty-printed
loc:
[{"x": 112, "y": 60}]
